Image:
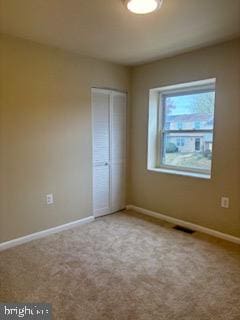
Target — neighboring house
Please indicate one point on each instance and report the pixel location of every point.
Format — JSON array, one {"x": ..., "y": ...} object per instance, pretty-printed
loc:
[{"x": 190, "y": 141}]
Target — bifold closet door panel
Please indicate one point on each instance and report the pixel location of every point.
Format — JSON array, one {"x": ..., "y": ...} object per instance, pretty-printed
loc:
[
  {"x": 118, "y": 150},
  {"x": 101, "y": 152}
]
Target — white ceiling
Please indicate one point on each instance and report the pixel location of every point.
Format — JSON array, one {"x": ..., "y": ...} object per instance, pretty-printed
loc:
[{"x": 105, "y": 29}]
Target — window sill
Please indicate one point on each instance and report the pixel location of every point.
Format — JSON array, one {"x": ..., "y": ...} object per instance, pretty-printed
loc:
[{"x": 182, "y": 173}]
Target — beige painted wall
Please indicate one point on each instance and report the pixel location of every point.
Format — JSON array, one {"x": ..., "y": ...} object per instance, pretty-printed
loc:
[
  {"x": 45, "y": 134},
  {"x": 45, "y": 137},
  {"x": 192, "y": 199}
]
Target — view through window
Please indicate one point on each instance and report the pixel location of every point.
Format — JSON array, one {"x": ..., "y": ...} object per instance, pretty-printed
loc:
[{"x": 187, "y": 130}]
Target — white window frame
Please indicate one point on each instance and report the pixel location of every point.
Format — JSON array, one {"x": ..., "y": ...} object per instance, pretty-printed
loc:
[{"x": 156, "y": 129}]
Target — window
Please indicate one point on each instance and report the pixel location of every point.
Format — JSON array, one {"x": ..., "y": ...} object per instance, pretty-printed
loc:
[
  {"x": 179, "y": 125},
  {"x": 197, "y": 125},
  {"x": 181, "y": 120},
  {"x": 180, "y": 142}
]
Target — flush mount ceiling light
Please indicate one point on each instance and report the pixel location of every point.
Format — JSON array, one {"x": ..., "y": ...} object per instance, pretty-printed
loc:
[{"x": 143, "y": 6}]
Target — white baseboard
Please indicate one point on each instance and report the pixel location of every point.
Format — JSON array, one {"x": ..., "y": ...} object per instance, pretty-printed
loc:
[
  {"x": 185, "y": 224},
  {"x": 44, "y": 233}
]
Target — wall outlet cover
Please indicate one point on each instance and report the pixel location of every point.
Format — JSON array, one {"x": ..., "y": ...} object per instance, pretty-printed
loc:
[
  {"x": 49, "y": 198},
  {"x": 225, "y": 202}
]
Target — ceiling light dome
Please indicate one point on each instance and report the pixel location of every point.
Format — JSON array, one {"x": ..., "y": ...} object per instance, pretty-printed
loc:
[{"x": 143, "y": 6}]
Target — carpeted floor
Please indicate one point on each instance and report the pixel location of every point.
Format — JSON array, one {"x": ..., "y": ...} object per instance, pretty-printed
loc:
[{"x": 126, "y": 267}]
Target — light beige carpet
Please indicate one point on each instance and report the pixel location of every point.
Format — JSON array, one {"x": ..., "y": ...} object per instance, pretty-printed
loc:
[{"x": 126, "y": 267}]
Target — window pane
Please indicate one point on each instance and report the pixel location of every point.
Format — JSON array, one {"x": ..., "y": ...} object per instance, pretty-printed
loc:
[
  {"x": 192, "y": 111},
  {"x": 188, "y": 150}
]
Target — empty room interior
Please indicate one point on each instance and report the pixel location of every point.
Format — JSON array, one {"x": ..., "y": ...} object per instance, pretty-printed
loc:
[{"x": 120, "y": 159}]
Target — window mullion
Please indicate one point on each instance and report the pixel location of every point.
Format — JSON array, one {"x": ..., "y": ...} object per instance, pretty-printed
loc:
[{"x": 187, "y": 131}]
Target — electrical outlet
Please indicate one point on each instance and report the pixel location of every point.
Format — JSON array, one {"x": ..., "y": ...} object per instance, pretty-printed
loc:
[
  {"x": 49, "y": 198},
  {"x": 225, "y": 202}
]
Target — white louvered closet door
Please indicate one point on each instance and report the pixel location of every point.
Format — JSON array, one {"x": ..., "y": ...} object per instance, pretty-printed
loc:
[
  {"x": 118, "y": 150},
  {"x": 109, "y": 151}
]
